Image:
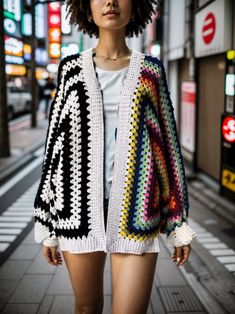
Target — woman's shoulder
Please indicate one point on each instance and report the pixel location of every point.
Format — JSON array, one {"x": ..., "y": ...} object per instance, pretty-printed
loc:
[
  {"x": 69, "y": 62},
  {"x": 153, "y": 59},
  {"x": 70, "y": 58}
]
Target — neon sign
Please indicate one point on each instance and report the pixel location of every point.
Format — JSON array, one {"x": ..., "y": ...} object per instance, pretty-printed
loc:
[{"x": 228, "y": 129}]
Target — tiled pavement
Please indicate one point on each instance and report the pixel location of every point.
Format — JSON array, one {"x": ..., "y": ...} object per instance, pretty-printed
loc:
[{"x": 28, "y": 284}]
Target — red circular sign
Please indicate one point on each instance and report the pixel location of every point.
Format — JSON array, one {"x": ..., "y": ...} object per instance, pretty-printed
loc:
[
  {"x": 208, "y": 29},
  {"x": 228, "y": 129}
]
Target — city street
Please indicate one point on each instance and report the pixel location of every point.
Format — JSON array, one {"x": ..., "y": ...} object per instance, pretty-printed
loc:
[
  {"x": 205, "y": 284},
  {"x": 142, "y": 118}
]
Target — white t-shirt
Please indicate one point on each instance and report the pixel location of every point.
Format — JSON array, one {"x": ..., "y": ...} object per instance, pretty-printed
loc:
[{"x": 111, "y": 82}]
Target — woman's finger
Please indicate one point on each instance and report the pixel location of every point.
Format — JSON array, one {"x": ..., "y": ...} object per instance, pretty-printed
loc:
[
  {"x": 179, "y": 254},
  {"x": 185, "y": 250},
  {"x": 52, "y": 256}
]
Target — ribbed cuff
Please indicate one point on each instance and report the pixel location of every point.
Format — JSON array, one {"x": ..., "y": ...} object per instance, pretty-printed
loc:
[
  {"x": 50, "y": 242},
  {"x": 182, "y": 235},
  {"x": 42, "y": 235}
]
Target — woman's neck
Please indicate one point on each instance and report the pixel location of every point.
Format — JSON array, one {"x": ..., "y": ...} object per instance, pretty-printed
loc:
[{"x": 112, "y": 44}]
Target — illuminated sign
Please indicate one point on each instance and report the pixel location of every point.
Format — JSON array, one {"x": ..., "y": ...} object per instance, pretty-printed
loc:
[
  {"x": 12, "y": 9},
  {"x": 230, "y": 85},
  {"x": 231, "y": 54},
  {"x": 27, "y": 49},
  {"x": 14, "y": 59},
  {"x": 18, "y": 70},
  {"x": 228, "y": 129},
  {"x": 155, "y": 50},
  {"x": 55, "y": 35},
  {"x": 13, "y": 46},
  {"x": 54, "y": 7},
  {"x": 26, "y": 25},
  {"x": 54, "y": 31},
  {"x": 54, "y": 50},
  {"x": 40, "y": 21},
  {"x": 228, "y": 179},
  {"x": 27, "y": 52},
  {"x": 10, "y": 26},
  {"x": 41, "y": 73},
  {"x": 41, "y": 56},
  {"x": 54, "y": 20}
]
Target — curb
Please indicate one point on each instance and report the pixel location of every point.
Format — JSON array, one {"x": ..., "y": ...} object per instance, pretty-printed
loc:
[
  {"x": 219, "y": 207},
  {"x": 19, "y": 161}
]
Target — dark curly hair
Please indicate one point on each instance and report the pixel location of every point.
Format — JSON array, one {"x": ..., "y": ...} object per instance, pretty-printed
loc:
[{"x": 79, "y": 10}]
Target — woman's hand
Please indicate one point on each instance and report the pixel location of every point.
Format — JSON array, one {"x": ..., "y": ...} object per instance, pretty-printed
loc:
[
  {"x": 52, "y": 256},
  {"x": 181, "y": 254}
]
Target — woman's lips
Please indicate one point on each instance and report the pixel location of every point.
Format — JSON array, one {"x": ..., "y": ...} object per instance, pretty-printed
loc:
[{"x": 111, "y": 14}]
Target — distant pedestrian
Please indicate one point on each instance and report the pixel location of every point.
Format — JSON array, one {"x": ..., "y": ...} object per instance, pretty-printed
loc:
[
  {"x": 47, "y": 93},
  {"x": 113, "y": 176}
]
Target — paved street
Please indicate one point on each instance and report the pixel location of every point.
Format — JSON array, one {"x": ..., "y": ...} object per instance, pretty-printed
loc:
[{"x": 29, "y": 285}]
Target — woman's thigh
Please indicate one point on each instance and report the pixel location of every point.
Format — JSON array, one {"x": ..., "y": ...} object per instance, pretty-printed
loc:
[
  {"x": 132, "y": 280},
  {"x": 86, "y": 274}
]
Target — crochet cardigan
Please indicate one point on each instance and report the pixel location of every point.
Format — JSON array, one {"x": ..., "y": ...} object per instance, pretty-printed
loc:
[{"x": 148, "y": 195}]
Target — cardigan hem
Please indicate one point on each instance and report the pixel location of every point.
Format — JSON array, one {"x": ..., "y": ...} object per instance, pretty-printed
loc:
[
  {"x": 121, "y": 246},
  {"x": 84, "y": 245},
  {"x": 134, "y": 247}
]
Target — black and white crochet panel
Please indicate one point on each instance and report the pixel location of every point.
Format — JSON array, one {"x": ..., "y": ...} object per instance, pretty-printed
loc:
[{"x": 62, "y": 198}]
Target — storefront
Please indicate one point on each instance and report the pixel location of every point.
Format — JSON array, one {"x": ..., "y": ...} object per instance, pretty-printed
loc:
[{"x": 213, "y": 38}]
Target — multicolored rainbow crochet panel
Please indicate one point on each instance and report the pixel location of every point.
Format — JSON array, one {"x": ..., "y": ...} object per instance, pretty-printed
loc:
[{"x": 155, "y": 197}]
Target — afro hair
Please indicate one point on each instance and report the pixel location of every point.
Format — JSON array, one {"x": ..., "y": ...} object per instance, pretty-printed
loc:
[{"x": 78, "y": 12}]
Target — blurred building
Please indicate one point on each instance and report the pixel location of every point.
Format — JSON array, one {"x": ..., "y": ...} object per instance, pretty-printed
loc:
[
  {"x": 18, "y": 50},
  {"x": 197, "y": 42}
]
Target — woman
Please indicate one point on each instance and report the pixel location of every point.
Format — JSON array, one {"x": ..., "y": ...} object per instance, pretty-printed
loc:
[{"x": 112, "y": 176}]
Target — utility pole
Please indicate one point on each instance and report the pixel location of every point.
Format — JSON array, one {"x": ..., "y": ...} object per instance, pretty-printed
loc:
[
  {"x": 4, "y": 132},
  {"x": 34, "y": 89}
]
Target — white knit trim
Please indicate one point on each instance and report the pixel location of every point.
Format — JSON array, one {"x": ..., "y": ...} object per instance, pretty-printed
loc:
[
  {"x": 86, "y": 245},
  {"x": 134, "y": 247},
  {"x": 182, "y": 235},
  {"x": 42, "y": 234},
  {"x": 117, "y": 188},
  {"x": 50, "y": 242},
  {"x": 95, "y": 191},
  {"x": 81, "y": 245}
]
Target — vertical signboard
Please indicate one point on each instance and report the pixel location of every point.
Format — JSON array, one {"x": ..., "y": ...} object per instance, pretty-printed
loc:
[
  {"x": 12, "y": 9},
  {"x": 227, "y": 175},
  {"x": 54, "y": 31},
  {"x": 188, "y": 98},
  {"x": 227, "y": 169}
]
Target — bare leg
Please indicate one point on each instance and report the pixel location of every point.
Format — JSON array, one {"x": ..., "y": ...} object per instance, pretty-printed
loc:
[
  {"x": 86, "y": 274},
  {"x": 132, "y": 280}
]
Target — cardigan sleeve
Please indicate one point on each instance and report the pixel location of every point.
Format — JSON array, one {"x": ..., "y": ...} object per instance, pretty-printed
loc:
[
  {"x": 44, "y": 213},
  {"x": 175, "y": 221}
]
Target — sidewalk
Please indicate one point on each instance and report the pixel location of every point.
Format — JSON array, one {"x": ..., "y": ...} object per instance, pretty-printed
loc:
[
  {"x": 29, "y": 285},
  {"x": 23, "y": 143}
]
